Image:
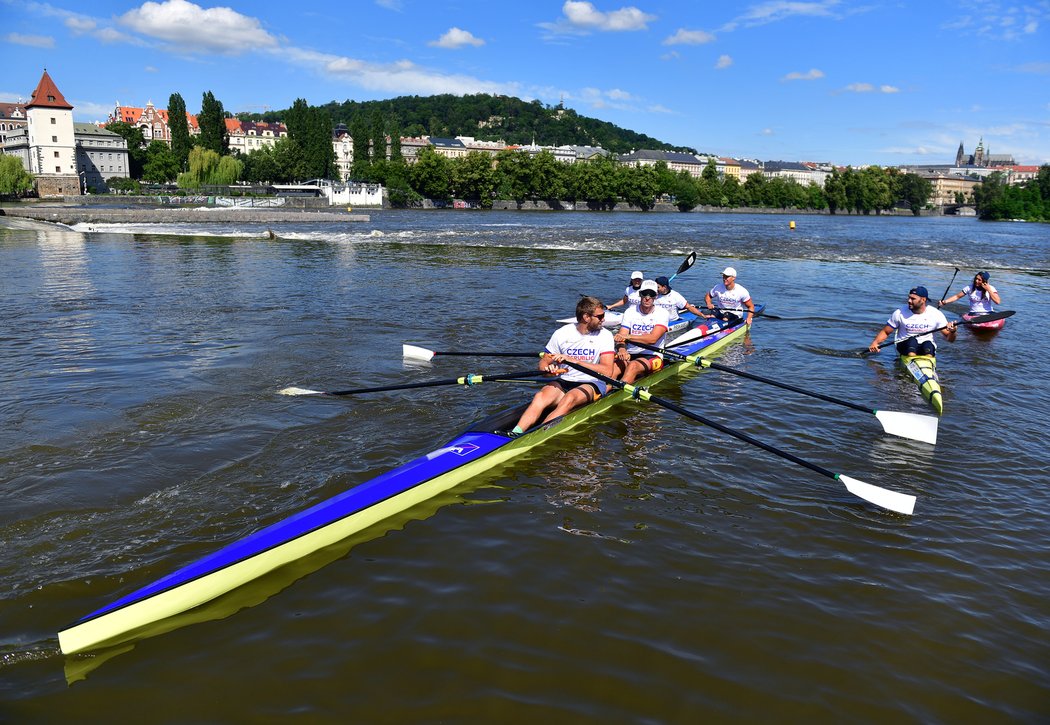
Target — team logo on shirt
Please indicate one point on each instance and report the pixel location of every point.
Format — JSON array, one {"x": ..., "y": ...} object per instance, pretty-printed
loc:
[{"x": 582, "y": 353}]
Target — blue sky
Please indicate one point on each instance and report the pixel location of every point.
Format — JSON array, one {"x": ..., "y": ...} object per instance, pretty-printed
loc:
[{"x": 866, "y": 82}]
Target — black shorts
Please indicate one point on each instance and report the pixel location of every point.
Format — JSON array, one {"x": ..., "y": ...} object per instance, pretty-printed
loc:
[
  {"x": 911, "y": 346},
  {"x": 567, "y": 385}
]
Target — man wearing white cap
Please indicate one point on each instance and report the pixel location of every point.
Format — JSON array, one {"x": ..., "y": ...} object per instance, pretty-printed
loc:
[
  {"x": 728, "y": 299},
  {"x": 645, "y": 323},
  {"x": 630, "y": 295}
]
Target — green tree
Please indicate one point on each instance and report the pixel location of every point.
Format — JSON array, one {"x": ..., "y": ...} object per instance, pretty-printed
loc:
[
  {"x": 547, "y": 177},
  {"x": 473, "y": 178},
  {"x": 835, "y": 191},
  {"x": 14, "y": 179},
  {"x": 136, "y": 146},
  {"x": 686, "y": 191},
  {"x": 431, "y": 175},
  {"x": 667, "y": 180},
  {"x": 207, "y": 168},
  {"x": 161, "y": 164},
  {"x": 260, "y": 166},
  {"x": 514, "y": 169},
  {"x": 212, "y": 122},
  {"x": 637, "y": 185},
  {"x": 311, "y": 129},
  {"x": 915, "y": 191},
  {"x": 362, "y": 155},
  {"x": 180, "y": 130},
  {"x": 398, "y": 189}
]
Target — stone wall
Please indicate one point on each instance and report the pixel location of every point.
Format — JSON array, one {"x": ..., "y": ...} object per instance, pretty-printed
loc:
[{"x": 57, "y": 185}]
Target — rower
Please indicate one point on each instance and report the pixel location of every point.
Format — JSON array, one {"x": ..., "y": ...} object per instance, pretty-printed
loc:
[
  {"x": 645, "y": 323},
  {"x": 673, "y": 301},
  {"x": 911, "y": 322},
  {"x": 630, "y": 295},
  {"x": 587, "y": 343},
  {"x": 727, "y": 299}
]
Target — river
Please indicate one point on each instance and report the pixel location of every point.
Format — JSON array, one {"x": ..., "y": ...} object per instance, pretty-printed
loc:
[{"x": 641, "y": 569}]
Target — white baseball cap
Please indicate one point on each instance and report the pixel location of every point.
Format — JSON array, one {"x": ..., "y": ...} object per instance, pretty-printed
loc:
[
  {"x": 729, "y": 272},
  {"x": 637, "y": 275},
  {"x": 649, "y": 285}
]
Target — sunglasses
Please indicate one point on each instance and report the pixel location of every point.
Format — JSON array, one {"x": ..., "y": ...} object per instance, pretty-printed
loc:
[
  {"x": 648, "y": 293},
  {"x": 598, "y": 317}
]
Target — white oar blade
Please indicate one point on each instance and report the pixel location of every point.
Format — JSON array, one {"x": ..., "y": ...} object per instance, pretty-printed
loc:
[
  {"x": 909, "y": 425},
  {"x": 411, "y": 352},
  {"x": 566, "y": 320},
  {"x": 899, "y": 502},
  {"x": 299, "y": 391}
]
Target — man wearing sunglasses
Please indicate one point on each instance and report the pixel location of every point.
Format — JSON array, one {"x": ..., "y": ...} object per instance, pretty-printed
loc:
[
  {"x": 584, "y": 342},
  {"x": 645, "y": 323}
]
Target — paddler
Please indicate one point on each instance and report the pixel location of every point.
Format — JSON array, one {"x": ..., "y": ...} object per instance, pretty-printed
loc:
[
  {"x": 584, "y": 342},
  {"x": 728, "y": 299},
  {"x": 911, "y": 321},
  {"x": 673, "y": 301},
  {"x": 645, "y": 323},
  {"x": 982, "y": 295},
  {"x": 630, "y": 295}
]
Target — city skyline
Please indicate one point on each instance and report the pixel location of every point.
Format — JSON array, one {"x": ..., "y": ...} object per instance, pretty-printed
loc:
[{"x": 834, "y": 81}]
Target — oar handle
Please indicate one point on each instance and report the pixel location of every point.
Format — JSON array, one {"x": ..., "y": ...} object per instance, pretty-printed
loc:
[{"x": 703, "y": 362}]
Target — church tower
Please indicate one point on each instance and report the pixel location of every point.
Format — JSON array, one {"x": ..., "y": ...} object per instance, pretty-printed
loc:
[
  {"x": 52, "y": 146},
  {"x": 978, "y": 153},
  {"x": 960, "y": 156}
]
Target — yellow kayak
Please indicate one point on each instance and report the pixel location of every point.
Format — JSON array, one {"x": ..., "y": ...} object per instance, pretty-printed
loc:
[{"x": 923, "y": 368}]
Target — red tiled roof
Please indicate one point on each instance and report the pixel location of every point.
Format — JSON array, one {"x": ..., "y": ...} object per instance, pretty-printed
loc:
[{"x": 47, "y": 95}]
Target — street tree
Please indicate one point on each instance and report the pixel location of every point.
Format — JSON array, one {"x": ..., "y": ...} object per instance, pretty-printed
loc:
[
  {"x": 180, "y": 130},
  {"x": 14, "y": 179},
  {"x": 212, "y": 123}
]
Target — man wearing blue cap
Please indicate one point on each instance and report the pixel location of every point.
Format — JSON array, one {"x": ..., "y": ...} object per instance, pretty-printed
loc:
[
  {"x": 673, "y": 301},
  {"x": 914, "y": 325}
]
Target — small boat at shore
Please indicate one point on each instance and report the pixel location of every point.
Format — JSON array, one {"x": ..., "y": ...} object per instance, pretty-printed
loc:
[
  {"x": 477, "y": 449},
  {"x": 923, "y": 369}
]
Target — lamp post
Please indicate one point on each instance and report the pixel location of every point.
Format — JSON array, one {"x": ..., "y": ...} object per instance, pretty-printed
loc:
[{"x": 83, "y": 183}]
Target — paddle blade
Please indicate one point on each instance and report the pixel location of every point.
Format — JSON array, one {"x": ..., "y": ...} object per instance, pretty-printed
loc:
[
  {"x": 990, "y": 317},
  {"x": 299, "y": 391},
  {"x": 900, "y": 502},
  {"x": 909, "y": 425},
  {"x": 689, "y": 261},
  {"x": 411, "y": 352}
]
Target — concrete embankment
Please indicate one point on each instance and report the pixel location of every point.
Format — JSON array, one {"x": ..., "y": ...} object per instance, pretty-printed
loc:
[{"x": 86, "y": 215}]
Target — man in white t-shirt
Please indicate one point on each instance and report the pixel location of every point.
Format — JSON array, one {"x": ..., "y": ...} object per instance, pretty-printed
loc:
[
  {"x": 586, "y": 343},
  {"x": 630, "y": 295},
  {"x": 646, "y": 323},
  {"x": 728, "y": 299},
  {"x": 673, "y": 301},
  {"x": 914, "y": 325}
]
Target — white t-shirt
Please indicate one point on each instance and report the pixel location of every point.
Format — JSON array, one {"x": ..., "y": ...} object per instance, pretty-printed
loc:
[
  {"x": 673, "y": 301},
  {"x": 908, "y": 323},
  {"x": 729, "y": 299},
  {"x": 980, "y": 300},
  {"x": 633, "y": 298},
  {"x": 587, "y": 348},
  {"x": 639, "y": 324}
]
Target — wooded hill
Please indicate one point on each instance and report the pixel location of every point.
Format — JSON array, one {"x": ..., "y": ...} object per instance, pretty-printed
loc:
[{"x": 488, "y": 118}]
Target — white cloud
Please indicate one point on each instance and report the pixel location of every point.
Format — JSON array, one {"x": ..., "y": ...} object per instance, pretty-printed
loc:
[
  {"x": 724, "y": 61},
  {"x": 811, "y": 75},
  {"x": 150, "y": 69},
  {"x": 860, "y": 88},
  {"x": 766, "y": 132},
  {"x": 33, "y": 41},
  {"x": 583, "y": 17},
  {"x": 889, "y": 89},
  {"x": 776, "y": 10},
  {"x": 1038, "y": 68},
  {"x": 456, "y": 38},
  {"x": 390, "y": 4},
  {"x": 689, "y": 37},
  {"x": 189, "y": 28},
  {"x": 996, "y": 22}
]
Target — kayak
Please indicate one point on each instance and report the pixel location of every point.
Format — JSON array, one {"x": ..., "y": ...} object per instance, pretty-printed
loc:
[
  {"x": 923, "y": 368},
  {"x": 484, "y": 445},
  {"x": 993, "y": 326}
]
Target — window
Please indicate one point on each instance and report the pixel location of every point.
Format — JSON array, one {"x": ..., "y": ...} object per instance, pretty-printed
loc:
[
  {"x": 54, "y": 139},
  {"x": 56, "y": 154},
  {"x": 58, "y": 169},
  {"x": 53, "y": 121}
]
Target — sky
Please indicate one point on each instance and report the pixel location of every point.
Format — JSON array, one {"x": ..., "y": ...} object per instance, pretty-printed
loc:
[{"x": 843, "y": 81}]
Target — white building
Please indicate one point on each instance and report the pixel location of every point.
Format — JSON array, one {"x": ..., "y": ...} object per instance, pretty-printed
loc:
[{"x": 47, "y": 143}]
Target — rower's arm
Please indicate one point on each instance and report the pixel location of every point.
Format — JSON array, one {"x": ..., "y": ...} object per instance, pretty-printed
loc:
[{"x": 880, "y": 338}]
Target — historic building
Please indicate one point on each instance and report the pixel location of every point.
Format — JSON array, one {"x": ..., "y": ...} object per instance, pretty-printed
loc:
[
  {"x": 101, "y": 155},
  {"x": 12, "y": 117},
  {"x": 152, "y": 121},
  {"x": 46, "y": 145},
  {"x": 982, "y": 158}
]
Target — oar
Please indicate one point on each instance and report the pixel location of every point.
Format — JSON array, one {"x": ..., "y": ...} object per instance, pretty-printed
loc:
[
  {"x": 906, "y": 425},
  {"x": 949, "y": 287},
  {"x": 689, "y": 261},
  {"x": 990, "y": 317},
  {"x": 757, "y": 313},
  {"x": 470, "y": 379},
  {"x": 411, "y": 352},
  {"x": 892, "y": 500}
]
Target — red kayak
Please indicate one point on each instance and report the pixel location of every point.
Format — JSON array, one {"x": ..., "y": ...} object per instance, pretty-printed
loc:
[{"x": 992, "y": 326}]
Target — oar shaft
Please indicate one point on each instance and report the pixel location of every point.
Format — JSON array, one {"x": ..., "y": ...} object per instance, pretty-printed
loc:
[
  {"x": 949, "y": 287},
  {"x": 700, "y": 361},
  {"x": 469, "y": 353},
  {"x": 470, "y": 379}
]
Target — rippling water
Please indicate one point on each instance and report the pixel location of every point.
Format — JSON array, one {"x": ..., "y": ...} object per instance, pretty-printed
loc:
[{"x": 644, "y": 569}]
